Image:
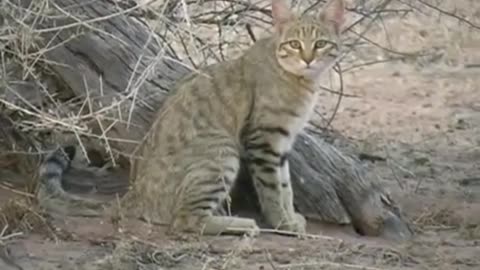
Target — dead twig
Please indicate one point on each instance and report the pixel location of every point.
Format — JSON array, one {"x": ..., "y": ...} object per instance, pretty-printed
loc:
[
  {"x": 22, "y": 193},
  {"x": 450, "y": 14},
  {"x": 301, "y": 235}
]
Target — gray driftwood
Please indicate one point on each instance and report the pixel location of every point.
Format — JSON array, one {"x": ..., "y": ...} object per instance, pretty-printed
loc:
[{"x": 328, "y": 185}]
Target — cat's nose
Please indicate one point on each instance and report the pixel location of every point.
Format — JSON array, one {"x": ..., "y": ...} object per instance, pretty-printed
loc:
[
  {"x": 307, "y": 58},
  {"x": 308, "y": 61}
]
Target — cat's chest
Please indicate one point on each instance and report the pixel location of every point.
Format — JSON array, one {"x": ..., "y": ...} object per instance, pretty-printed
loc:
[
  {"x": 303, "y": 113},
  {"x": 304, "y": 109},
  {"x": 292, "y": 126}
]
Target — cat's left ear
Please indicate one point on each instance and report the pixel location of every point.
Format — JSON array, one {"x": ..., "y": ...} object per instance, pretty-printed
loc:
[{"x": 333, "y": 14}]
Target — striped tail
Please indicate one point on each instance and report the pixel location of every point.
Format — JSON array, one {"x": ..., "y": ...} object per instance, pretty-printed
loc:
[{"x": 51, "y": 194}]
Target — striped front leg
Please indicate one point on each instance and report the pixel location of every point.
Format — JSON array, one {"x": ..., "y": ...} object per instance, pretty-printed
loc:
[{"x": 269, "y": 169}]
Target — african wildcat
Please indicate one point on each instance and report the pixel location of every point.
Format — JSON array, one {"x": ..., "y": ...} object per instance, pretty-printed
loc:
[{"x": 253, "y": 106}]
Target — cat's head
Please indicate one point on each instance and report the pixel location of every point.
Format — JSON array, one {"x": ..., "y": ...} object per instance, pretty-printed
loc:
[{"x": 307, "y": 45}]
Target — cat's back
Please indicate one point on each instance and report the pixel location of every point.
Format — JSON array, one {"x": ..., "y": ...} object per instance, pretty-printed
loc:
[
  {"x": 221, "y": 90},
  {"x": 233, "y": 74}
]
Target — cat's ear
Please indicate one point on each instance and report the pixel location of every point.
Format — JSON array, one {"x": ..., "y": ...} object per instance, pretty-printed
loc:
[
  {"x": 280, "y": 13},
  {"x": 333, "y": 14}
]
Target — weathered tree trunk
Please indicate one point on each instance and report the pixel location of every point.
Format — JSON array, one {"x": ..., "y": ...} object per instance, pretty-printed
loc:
[{"x": 118, "y": 58}]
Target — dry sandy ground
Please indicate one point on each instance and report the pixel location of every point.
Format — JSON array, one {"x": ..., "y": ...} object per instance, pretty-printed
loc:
[{"x": 422, "y": 115}]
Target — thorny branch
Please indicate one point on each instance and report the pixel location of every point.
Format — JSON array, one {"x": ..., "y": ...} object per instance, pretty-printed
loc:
[{"x": 450, "y": 14}]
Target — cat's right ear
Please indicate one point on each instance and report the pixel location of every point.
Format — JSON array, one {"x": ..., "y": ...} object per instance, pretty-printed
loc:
[
  {"x": 334, "y": 14},
  {"x": 281, "y": 14}
]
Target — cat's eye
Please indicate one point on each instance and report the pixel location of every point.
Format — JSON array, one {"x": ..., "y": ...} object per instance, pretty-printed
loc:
[
  {"x": 295, "y": 44},
  {"x": 320, "y": 44}
]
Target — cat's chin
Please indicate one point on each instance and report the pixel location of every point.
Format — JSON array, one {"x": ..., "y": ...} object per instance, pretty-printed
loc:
[
  {"x": 311, "y": 74},
  {"x": 306, "y": 73}
]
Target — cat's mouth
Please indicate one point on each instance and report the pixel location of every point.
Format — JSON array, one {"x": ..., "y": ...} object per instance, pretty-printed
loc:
[
  {"x": 312, "y": 66},
  {"x": 314, "y": 70}
]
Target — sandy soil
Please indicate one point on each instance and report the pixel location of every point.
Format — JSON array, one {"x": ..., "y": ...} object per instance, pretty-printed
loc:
[{"x": 422, "y": 115}]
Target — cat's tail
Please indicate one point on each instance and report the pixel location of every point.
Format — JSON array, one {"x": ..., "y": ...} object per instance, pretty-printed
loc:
[{"x": 51, "y": 194}]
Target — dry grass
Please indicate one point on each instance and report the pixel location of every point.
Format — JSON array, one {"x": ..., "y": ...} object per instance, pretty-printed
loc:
[
  {"x": 440, "y": 216},
  {"x": 17, "y": 217}
]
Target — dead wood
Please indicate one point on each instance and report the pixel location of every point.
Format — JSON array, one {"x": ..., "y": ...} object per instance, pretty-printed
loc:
[{"x": 119, "y": 70}]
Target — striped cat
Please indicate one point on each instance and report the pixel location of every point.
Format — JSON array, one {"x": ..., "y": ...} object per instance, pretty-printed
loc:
[{"x": 253, "y": 106}]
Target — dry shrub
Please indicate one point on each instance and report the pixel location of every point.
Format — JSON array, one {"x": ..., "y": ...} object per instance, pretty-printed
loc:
[
  {"x": 18, "y": 215},
  {"x": 129, "y": 254},
  {"x": 121, "y": 258},
  {"x": 440, "y": 215}
]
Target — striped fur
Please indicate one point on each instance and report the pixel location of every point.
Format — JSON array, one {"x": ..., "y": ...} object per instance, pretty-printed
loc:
[
  {"x": 53, "y": 167},
  {"x": 252, "y": 106},
  {"x": 51, "y": 194}
]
